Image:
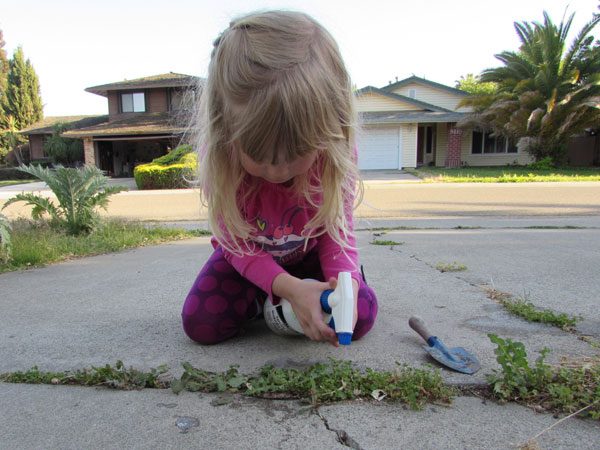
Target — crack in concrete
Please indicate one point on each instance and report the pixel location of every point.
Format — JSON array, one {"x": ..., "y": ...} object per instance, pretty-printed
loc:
[{"x": 341, "y": 435}]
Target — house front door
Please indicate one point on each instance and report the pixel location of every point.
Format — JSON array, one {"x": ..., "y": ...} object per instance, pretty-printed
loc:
[{"x": 420, "y": 145}]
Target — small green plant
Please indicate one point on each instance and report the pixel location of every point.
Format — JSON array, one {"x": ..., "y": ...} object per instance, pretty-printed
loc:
[
  {"x": 117, "y": 377},
  {"x": 323, "y": 382},
  {"x": 559, "y": 389},
  {"x": 450, "y": 267},
  {"x": 528, "y": 311},
  {"x": 5, "y": 240},
  {"x": 546, "y": 163},
  {"x": 384, "y": 242},
  {"x": 78, "y": 191}
]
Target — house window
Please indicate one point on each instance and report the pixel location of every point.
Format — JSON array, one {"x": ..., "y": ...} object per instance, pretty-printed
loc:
[
  {"x": 133, "y": 102},
  {"x": 484, "y": 142},
  {"x": 412, "y": 93}
]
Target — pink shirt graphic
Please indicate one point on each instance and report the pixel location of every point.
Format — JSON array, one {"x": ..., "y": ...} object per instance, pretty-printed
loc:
[{"x": 279, "y": 216}]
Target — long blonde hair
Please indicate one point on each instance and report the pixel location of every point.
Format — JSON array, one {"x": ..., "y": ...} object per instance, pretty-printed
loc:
[{"x": 277, "y": 89}]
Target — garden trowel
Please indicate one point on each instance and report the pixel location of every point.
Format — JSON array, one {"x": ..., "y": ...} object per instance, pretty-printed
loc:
[{"x": 456, "y": 358}]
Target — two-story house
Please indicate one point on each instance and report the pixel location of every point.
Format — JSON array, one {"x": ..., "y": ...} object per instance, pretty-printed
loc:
[{"x": 146, "y": 117}]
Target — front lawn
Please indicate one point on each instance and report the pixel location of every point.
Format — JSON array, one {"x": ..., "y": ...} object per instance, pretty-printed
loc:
[
  {"x": 36, "y": 244},
  {"x": 504, "y": 174}
]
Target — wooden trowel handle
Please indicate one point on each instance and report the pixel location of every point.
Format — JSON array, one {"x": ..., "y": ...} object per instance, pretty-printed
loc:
[{"x": 417, "y": 324}]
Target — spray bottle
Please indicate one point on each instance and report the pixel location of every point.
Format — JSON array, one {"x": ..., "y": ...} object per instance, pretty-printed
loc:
[{"x": 338, "y": 312}]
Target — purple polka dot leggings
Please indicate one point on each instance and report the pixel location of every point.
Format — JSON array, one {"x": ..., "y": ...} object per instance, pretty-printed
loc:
[{"x": 221, "y": 301}]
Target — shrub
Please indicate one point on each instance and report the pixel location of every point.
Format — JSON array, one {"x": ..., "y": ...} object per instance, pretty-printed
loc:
[
  {"x": 13, "y": 173},
  {"x": 5, "y": 241},
  {"x": 63, "y": 150},
  {"x": 170, "y": 172},
  {"x": 78, "y": 191},
  {"x": 546, "y": 163}
]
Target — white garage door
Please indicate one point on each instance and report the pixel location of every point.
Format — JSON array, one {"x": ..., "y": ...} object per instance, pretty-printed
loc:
[{"x": 379, "y": 148}]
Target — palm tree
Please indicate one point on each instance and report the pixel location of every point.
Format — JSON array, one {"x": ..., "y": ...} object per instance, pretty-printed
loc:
[{"x": 545, "y": 94}]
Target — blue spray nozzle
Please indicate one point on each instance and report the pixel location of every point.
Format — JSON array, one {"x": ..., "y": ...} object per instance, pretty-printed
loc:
[{"x": 344, "y": 338}]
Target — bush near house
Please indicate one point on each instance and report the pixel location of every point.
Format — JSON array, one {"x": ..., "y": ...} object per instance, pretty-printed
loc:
[{"x": 171, "y": 171}]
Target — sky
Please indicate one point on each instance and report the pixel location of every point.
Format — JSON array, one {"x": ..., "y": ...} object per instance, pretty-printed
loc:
[{"x": 77, "y": 44}]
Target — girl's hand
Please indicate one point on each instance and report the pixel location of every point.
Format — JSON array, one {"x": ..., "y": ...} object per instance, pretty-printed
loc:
[{"x": 304, "y": 297}]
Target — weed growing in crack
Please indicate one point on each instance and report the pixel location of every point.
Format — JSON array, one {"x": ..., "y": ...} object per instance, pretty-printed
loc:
[
  {"x": 118, "y": 377},
  {"x": 558, "y": 389},
  {"x": 323, "y": 383},
  {"x": 450, "y": 267},
  {"x": 382, "y": 242},
  {"x": 528, "y": 311}
]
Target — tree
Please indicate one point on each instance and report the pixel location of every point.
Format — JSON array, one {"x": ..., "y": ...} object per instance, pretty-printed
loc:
[
  {"x": 63, "y": 150},
  {"x": 546, "y": 92},
  {"x": 473, "y": 85},
  {"x": 22, "y": 100},
  {"x": 3, "y": 74}
]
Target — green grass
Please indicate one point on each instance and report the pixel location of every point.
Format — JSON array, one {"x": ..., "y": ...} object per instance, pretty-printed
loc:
[
  {"x": 450, "y": 267},
  {"x": 36, "y": 244},
  {"x": 504, "y": 174},
  {"x": 12, "y": 182}
]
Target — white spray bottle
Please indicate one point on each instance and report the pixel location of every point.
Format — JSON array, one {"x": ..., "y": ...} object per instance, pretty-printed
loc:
[{"x": 338, "y": 312}]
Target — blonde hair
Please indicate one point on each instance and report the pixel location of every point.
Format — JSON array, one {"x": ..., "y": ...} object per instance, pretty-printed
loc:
[{"x": 277, "y": 89}]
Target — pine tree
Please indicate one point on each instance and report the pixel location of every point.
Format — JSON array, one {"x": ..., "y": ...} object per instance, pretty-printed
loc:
[
  {"x": 23, "y": 100},
  {"x": 3, "y": 78}
]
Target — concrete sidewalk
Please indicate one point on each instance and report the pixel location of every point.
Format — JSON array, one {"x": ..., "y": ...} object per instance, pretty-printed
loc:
[{"x": 126, "y": 306}]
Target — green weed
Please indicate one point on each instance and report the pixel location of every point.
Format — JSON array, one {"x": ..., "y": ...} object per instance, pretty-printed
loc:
[
  {"x": 322, "y": 383},
  {"x": 450, "y": 267},
  {"x": 118, "y": 377},
  {"x": 528, "y": 311},
  {"x": 559, "y": 389},
  {"x": 383, "y": 242}
]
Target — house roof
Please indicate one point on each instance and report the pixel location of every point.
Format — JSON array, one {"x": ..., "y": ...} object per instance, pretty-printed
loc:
[
  {"x": 46, "y": 125},
  {"x": 134, "y": 124},
  {"x": 170, "y": 79},
  {"x": 403, "y": 98},
  {"x": 381, "y": 117},
  {"x": 415, "y": 79}
]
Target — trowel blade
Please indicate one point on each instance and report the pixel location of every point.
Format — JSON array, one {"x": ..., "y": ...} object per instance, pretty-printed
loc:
[{"x": 456, "y": 358}]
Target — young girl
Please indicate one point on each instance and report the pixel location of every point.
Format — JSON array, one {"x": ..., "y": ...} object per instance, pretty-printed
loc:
[{"x": 278, "y": 174}]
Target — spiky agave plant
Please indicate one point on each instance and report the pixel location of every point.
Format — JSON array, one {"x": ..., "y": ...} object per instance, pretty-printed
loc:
[
  {"x": 5, "y": 242},
  {"x": 79, "y": 193}
]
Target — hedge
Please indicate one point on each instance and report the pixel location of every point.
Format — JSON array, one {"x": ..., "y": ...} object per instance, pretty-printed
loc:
[
  {"x": 13, "y": 173},
  {"x": 172, "y": 176}
]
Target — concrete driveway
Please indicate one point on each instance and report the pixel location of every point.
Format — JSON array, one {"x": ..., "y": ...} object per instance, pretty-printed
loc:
[{"x": 126, "y": 306}]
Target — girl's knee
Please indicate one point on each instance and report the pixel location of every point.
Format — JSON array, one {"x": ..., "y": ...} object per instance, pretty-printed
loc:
[
  {"x": 367, "y": 312},
  {"x": 209, "y": 333}
]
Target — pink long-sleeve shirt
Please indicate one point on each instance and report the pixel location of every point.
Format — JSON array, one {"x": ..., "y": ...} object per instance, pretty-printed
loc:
[{"x": 279, "y": 215}]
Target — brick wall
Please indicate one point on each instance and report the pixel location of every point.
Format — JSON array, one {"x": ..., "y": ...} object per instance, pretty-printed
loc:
[{"x": 454, "y": 146}]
